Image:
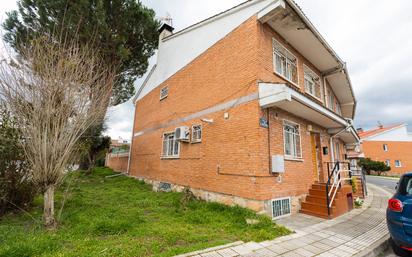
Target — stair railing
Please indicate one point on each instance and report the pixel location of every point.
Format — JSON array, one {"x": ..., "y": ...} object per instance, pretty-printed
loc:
[
  {"x": 334, "y": 181},
  {"x": 360, "y": 173}
]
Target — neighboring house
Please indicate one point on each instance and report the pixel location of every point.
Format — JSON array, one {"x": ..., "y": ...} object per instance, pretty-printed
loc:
[
  {"x": 246, "y": 107},
  {"x": 391, "y": 145},
  {"x": 119, "y": 146}
]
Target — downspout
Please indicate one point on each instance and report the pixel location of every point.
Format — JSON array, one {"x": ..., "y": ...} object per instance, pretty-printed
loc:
[
  {"x": 134, "y": 117},
  {"x": 131, "y": 142},
  {"x": 269, "y": 162}
]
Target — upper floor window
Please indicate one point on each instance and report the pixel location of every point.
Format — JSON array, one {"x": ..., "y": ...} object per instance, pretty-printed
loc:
[
  {"x": 312, "y": 83},
  {"x": 338, "y": 109},
  {"x": 331, "y": 100},
  {"x": 196, "y": 133},
  {"x": 385, "y": 147},
  {"x": 292, "y": 140},
  {"x": 398, "y": 163},
  {"x": 171, "y": 147},
  {"x": 164, "y": 92},
  {"x": 285, "y": 62}
]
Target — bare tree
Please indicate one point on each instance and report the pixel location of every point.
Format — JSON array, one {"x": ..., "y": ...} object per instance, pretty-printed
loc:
[{"x": 56, "y": 91}]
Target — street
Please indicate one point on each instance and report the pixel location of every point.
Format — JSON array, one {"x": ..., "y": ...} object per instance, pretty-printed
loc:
[{"x": 388, "y": 184}]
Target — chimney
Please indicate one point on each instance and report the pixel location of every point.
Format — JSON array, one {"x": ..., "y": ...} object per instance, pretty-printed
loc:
[
  {"x": 380, "y": 126},
  {"x": 164, "y": 31},
  {"x": 359, "y": 130}
]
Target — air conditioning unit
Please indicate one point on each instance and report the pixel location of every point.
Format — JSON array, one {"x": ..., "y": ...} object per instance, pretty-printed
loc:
[{"x": 182, "y": 133}]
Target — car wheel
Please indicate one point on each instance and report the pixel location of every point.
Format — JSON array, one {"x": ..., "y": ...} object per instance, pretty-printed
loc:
[{"x": 399, "y": 251}]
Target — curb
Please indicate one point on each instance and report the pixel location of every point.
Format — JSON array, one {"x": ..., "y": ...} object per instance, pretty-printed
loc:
[
  {"x": 220, "y": 247},
  {"x": 376, "y": 248}
]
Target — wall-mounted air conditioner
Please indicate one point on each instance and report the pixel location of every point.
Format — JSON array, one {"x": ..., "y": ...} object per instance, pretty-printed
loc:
[{"x": 182, "y": 133}]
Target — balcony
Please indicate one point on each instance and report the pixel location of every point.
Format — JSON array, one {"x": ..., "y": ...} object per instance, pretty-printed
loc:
[
  {"x": 288, "y": 20},
  {"x": 292, "y": 101}
]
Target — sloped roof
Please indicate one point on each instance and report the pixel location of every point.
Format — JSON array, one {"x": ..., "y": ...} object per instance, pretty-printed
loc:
[
  {"x": 378, "y": 130},
  {"x": 175, "y": 52}
]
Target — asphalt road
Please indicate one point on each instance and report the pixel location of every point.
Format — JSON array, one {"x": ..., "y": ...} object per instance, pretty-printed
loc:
[{"x": 388, "y": 184}]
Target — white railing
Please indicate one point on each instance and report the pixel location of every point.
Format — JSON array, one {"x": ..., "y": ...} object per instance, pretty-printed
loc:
[{"x": 337, "y": 179}]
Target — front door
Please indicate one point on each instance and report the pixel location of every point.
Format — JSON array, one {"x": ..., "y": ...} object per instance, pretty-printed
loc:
[{"x": 316, "y": 156}]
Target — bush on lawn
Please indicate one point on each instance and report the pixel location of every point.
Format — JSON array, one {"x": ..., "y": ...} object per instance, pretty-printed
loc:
[
  {"x": 16, "y": 189},
  {"x": 369, "y": 165}
]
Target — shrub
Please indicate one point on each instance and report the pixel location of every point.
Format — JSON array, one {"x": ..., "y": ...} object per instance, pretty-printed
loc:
[
  {"x": 16, "y": 188},
  {"x": 354, "y": 182},
  {"x": 358, "y": 202},
  {"x": 369, "y": 165}
]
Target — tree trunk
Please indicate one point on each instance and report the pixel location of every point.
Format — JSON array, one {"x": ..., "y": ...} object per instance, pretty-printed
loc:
[
  {"x": 48, "y": 211},
  {"x": 84, "y": 164}
]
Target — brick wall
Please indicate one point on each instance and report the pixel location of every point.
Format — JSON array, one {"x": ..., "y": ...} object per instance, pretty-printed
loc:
[
  {"x": 117, "y": 162},
  {"x": 396, "y": 151},
  {"x": 233, "y": 157}
]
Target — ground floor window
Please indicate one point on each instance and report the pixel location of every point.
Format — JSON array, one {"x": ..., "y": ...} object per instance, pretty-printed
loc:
[
  {"x": 196, "y": 133},
  {"x": 398, "y": 163},
  {"x": 171, "y": 147},
  {"x": 388, "y": 163},
  {"x": 292, "y": 140}
]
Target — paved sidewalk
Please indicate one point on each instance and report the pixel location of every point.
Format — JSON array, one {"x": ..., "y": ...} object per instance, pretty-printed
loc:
[{"x": 348, "y": 235}]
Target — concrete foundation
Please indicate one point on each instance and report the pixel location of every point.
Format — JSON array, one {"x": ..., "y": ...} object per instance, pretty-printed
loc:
[{"x": 259, "y": 206}]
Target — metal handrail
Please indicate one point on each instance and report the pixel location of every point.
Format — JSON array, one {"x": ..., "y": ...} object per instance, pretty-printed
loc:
[
  {"x": 361, "y": 173},
  {"x": 332, "y": 188}
]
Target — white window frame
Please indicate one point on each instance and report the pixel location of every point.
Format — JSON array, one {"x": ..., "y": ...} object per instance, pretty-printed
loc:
[
  {"x": 162, "y": 90},
  {"x": 331, "y": 100},
  {"x": 338, "y": 109},
  {"x": 398, "y": 162},
  {"x": 173, "y": 155},
  {"x": 388, "y": 163},
  {"x": 287, "y": 156},
  {"x": 312, "y": 77},
  {"x": 288, "y": 61},
  {"x": 199, "y": 140},
  {"x": 290, "y": 207},
  {"x": 385, "y": 147}
]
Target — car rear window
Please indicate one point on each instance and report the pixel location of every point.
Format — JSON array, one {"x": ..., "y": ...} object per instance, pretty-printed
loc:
[{"x": 405, "y": 185}]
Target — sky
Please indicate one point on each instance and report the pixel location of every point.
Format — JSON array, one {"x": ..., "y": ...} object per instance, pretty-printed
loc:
[{"x": 374, "y": 38}]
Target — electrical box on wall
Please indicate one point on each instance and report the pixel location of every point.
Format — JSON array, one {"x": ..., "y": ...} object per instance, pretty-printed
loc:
[{"x": 278, "y": 164}]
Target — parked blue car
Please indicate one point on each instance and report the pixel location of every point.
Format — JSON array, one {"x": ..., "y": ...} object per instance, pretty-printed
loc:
[{"x": 399, "y": 217}]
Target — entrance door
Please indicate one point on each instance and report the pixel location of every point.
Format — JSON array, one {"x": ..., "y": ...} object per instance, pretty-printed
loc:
[{"x": 316, "y": 156}]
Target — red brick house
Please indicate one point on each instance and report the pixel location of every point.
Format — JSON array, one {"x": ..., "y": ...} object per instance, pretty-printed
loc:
[
  {"x": 247, "y": 107},
  {"x": 389, "y": 144}
]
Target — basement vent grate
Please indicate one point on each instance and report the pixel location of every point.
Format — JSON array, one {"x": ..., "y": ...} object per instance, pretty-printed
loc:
[{"x": 281, "y": 207}]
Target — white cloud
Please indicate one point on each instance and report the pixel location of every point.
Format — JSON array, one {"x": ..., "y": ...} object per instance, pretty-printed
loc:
[{"x": 373, "y": 37}]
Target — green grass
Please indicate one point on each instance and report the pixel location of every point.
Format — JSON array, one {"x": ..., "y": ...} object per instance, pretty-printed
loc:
[{"x": 121, "y": 216}]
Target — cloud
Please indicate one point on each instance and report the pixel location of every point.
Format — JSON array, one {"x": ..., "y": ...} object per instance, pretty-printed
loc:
[{"x": 373, "y": 37}]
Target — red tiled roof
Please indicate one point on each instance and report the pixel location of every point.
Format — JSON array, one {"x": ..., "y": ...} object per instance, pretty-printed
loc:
[{"x": 378, "y": 130}]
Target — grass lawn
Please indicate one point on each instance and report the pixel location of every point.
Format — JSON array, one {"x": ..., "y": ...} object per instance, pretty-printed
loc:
[{"x": 120, "y": 216}]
